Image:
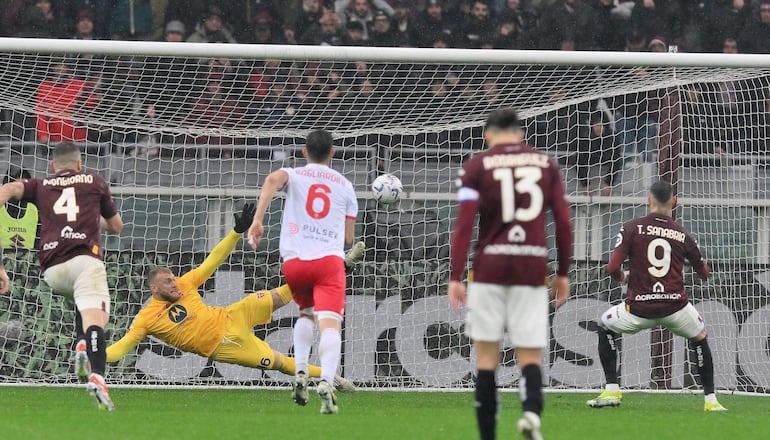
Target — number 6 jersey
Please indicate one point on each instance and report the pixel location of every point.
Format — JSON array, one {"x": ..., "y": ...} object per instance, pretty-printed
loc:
[
  {"x": 318, "y": 200},
  {"x": 71, "y": 205}
]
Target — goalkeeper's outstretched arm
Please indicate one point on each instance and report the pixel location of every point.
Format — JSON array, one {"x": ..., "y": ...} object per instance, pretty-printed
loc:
[{"x": 121, "y": 348}]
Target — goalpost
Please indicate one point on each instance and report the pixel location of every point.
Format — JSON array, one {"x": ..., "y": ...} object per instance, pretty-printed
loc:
[{"x": 185, "y": 133}]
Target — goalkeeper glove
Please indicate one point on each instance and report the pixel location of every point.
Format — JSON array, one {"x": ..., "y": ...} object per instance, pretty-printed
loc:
[{"x": 244, "y": 219}]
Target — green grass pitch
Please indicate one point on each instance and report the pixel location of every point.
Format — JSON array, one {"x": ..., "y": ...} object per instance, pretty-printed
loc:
[{"x": 70, "y": 413}]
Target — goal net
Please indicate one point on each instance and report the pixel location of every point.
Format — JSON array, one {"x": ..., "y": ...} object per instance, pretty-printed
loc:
[{"x": 186, "y": 133}]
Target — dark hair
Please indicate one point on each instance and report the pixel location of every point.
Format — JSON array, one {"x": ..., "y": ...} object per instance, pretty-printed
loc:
[
  {"x": 319, "y": 145},
  {"x": 66, "y": 152},
  {"x": 502, "y": 119},
  {"x": 661, "y": 192}
]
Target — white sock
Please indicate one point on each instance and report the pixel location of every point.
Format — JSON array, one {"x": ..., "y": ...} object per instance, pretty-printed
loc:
[
  {"x": 329, "y": 349},
  {"x": 303, "y": 340},
  {"x": 612, "y": 387},
  {"x": 711, "y": 398}
]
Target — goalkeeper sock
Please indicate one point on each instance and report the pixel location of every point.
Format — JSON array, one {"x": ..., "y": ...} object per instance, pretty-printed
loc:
[
  {"x": 608, "y": 354},
  {"x": 329, "y": 350},
  {"x": 289, "y": 366},
  {"x": 705, "y": 365},
  {"x": 96, "y": 347},
  {"x": 284, "y": 292},
  {"x": 486, "y": 404},
  {"x": 303, "y": 339},
  {"x": 531, "y": 389}
]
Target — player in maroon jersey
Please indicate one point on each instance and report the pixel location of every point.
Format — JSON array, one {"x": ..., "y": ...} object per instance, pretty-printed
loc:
[
  {"x": 74, "y": 206},
  {"x": 656, "y": 248},
  {"x": 510, "y": 186}
]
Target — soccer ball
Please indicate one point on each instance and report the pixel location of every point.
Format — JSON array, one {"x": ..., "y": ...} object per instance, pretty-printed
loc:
[{"x": 387, "y": 189}]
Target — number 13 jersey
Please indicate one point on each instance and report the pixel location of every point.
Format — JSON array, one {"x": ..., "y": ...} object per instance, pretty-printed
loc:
[{"x": 318, "y": 201}]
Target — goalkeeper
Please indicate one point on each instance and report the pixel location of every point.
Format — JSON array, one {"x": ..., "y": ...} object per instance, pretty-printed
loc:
[{"x": 177, "y": 315}]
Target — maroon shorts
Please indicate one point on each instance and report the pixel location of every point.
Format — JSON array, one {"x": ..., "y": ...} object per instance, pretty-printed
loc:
[{"x": 317, "y": 283}]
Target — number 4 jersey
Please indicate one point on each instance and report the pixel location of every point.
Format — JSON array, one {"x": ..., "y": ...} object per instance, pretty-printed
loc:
[
  {"x": 514, "y": 185},
  {"x": 318, "y": 201},
  {"x": 656, "y": 247},
  {"x": 71, "y": 205}
]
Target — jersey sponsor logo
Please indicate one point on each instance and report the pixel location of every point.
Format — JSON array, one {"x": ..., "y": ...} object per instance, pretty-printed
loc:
[
  {"x": 68, "y": 180},
  {"x": 516, "y": 249},
  {"x": 177, "y": 313},
  {"x": 69, "y": 233},
  {"x": 50, "y": 245},
  {"x": 516, "y": 160},
  {"x": 517, "y": 234},
  {"x": 320, "y": 232},
  {"x": 658, "y": 297},
  {"x": 293, "y": 228}
]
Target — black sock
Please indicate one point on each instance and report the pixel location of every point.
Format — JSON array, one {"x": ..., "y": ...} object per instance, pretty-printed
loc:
[
  {"x": 608, "y": 354},
  {"x": 705, "y": 364},
  {"x": 533, "y": 388},
  {"x": 97, "y": 349},
  {"x": 486, "y": 403},
  {"x": 78, "y": 326}
]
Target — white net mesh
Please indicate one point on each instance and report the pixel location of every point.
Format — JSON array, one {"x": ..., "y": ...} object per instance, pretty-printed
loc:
[{"x": 184, "y": 141}]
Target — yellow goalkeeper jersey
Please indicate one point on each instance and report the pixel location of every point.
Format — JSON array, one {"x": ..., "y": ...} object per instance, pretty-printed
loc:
[{"x": 187, "y": 324}]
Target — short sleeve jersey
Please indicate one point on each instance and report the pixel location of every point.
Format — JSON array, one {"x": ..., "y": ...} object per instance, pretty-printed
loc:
[
  {"x": 318, "y": 200},
  {"x": 70, "y": 205},
  {"x": 514, "y": 185},
  {"x": 656, "y": 247}
]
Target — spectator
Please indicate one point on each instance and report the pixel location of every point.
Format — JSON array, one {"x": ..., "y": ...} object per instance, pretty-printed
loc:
[
  {"x": 657, "y": 44},
  {"x": 264, "y": 31},
  {"x": 60, "y": 100},
  {"x": 729, "y": 45},
  {"x": 327, "y": 32},
  {"x": 300, "y": 18},
  {"x": 215, "y": 109},
  {"x": 174, "y": 32},
  {"x": 84, "y": 26},
  {"x": 636, "y": 41},
  {"x": 211, "y": 29},
  {"x": 40, "y": 21},
  {"x": 382, "y": 32},
  {"x": 355, "y": 34},
  {"x": 567, "y": 19},
  {"x": 755, "y": 37},
  {"x": 10, "y": 25},
  {"x": 601, "y": 149},
  {"x": 606, "y": 26},
  {"x": 101, "y": 11},
  {"x": 516, "y": 27},
  {"x": 362, "y": 12},
  {"x": 432, "y": 25},
  {"x": 19, "y": 220},
  {"x": 131, "y": 20},
  {"x": 659, "y": 17},
  {"x": 723, "y": 19},
  {"x": 476, "y": 26},
  {"x": 403, "y": 23}
]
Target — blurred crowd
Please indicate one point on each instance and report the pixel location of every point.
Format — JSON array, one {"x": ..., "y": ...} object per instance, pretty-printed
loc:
[{"x": 692, "y": 25}]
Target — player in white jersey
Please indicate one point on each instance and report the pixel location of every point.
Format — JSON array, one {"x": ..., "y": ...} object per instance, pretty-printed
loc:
[{"x": 318, "y": 220}]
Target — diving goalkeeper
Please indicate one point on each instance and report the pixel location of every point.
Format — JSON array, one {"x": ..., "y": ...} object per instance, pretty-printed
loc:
[{"x": 178, "y": 316}]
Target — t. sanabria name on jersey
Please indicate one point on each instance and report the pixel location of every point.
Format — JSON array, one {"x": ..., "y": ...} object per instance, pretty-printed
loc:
[
  {"x": 658, "y": 231},
  {"x": 516, "y": 160},
  {"x": 68, "y": 180}
]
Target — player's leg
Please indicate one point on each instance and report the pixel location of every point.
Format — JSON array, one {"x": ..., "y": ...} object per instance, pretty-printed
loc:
[
  {"x": 297, "y": 278},
  {"x": 82, "y": 366},
  {"x": 526, "y": 309},
  {"x": 484, "y": 324},
  {"x": 688, "y": 323}
]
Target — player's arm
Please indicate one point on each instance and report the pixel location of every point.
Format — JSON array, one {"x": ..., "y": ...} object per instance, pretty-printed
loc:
[
  {"x": 693, "y": 255},
  {"x": 128, "y": 342},
  {"x": 275, "y": 181},
  {"x": 350, "y": 217},
  {"x": 113, "y": 224},
  {"x": 619, "y": 255},
  {"x": 12, "y": 190},
  {"x": 110, "y": 219},
  {"x": 461, "y": 243}
]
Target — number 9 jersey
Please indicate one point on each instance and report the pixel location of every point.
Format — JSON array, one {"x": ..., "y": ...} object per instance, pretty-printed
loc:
[
  {"x": 71, "y": 205},
  {"x": 318, "y": 201}
]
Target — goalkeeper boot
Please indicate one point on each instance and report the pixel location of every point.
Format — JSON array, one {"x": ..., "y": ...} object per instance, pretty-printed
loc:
[
  {"x": 82, "y": 365},
  {"x": 606, "y": 398},
  {"x": 343, "y": 385},
  {"x": 529, "y": 426},
  {"x": 299, "y": 389},
  {"x": 97, "y": 388},
  {"x": 713, "y": 407},
  {"x": 354, "y": 255},
  {"x": 328, "y": 399}
]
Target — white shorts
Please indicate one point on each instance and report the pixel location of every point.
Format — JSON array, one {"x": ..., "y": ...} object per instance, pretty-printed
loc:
[
  {"x": 686, "y": 322},
  {"x": 83, "y": 279},
  {"x": 521, "y": 311}
]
